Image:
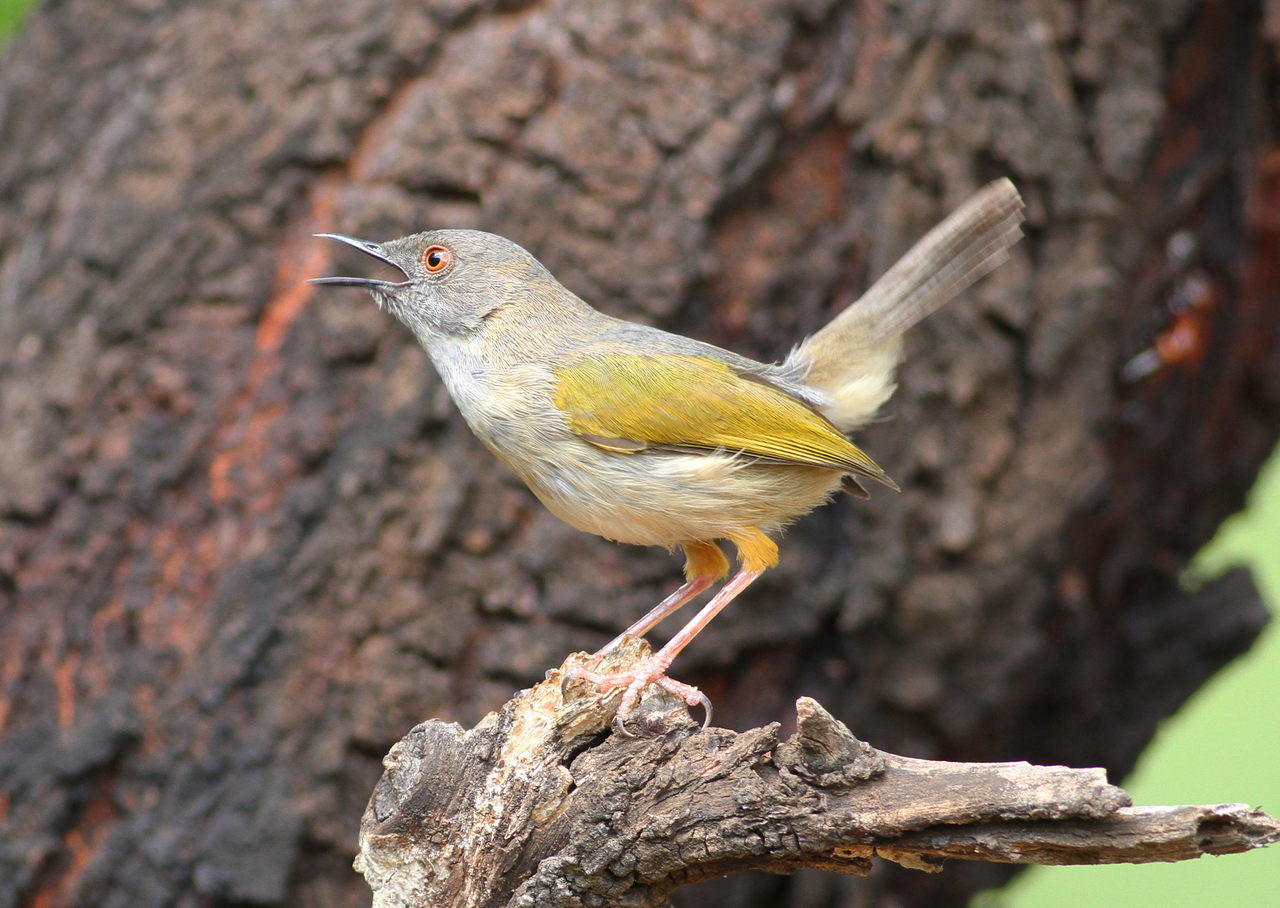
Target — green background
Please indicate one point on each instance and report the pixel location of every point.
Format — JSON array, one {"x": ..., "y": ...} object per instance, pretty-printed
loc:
[
  {"x": 1222, "y": 746},
  {"x": 11, "y": 14}
]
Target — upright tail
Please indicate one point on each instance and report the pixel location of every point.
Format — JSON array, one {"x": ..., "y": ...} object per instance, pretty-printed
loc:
[{"x": 852, "y": 359}]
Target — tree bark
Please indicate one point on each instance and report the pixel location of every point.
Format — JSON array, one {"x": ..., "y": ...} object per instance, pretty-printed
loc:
[
  {"x": 246, "y": 542},
  {"x": 539, "y": 806}
]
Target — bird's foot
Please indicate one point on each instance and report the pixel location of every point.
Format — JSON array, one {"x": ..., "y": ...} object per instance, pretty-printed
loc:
[{"x": 634, "y": 681}]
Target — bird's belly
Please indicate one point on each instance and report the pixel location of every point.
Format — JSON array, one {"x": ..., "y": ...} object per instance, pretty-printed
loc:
[
  {"x": 646, "y": 498},
  {"x": 668, "y": 498}
]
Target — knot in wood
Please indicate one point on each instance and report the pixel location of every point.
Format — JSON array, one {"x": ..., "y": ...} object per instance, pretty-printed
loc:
[{"x": 824, "y": 752}]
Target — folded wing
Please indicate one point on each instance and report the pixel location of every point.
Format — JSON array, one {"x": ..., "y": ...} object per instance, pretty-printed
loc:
[{"x": 634, "y": 403}]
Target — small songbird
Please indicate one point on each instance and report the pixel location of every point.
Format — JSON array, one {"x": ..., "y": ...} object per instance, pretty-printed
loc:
[{"x": 651, "y": 438}]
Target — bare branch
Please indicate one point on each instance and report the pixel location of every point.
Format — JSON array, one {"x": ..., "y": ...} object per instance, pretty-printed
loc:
[
  {"x": 541, "y": 805},
  {"x": 1133, "y": 835}
]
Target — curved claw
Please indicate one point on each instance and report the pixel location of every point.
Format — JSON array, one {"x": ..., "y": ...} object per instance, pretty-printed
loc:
[
  {"x": 689, "y": 694},
  {"x": 565, "y": 680},
  {"x": 705, "y": 701}
]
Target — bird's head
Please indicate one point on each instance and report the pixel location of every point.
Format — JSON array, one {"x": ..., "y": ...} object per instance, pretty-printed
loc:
[{"x": 454, "y": 279}]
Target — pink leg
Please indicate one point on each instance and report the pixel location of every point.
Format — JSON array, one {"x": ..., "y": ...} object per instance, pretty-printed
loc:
[
  {"x": 654, "y": 669},
  {"x": 661, "y": 610},
  {"x": 704, "y": 565},
  {"x": 756, "y": 552}
]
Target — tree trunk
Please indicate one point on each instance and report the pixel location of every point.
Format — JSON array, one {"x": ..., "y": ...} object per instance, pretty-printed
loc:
[{"x": 247, "y": 543}]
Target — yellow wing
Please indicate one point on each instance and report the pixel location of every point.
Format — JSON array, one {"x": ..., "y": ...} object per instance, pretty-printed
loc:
[{"x": 631, "y": 403}]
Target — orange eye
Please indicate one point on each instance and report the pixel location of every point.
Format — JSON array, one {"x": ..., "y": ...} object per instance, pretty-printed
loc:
[{"x": 436, "y": 258}]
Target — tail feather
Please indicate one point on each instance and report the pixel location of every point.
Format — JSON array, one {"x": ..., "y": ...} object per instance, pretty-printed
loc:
[{"x": 852, "y": 359}]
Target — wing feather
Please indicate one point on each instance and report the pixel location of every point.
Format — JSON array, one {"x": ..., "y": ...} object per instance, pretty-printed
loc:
[{"x": 633, "y": 403}]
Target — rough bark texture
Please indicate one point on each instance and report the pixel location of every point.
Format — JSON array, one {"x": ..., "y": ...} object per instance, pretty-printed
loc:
[
  {"x": 538, "y": 806},
  {"x": 246, "y": 542}
]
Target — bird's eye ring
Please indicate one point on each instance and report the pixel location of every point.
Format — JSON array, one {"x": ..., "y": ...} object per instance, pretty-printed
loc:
[{"x": 436, "y": 258}]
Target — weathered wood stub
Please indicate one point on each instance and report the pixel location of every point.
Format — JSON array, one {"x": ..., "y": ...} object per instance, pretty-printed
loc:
[{"x": 539, "y": 806}]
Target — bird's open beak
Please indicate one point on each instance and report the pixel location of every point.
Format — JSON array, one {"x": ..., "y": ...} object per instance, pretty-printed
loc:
[{"x": 367, "y": 248}]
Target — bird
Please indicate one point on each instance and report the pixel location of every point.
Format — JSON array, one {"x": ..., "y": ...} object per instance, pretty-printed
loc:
[{"x": 651, "y": 438}]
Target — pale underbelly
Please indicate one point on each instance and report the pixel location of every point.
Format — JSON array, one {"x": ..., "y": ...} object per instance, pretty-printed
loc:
[{"x": 668, "y": 499}]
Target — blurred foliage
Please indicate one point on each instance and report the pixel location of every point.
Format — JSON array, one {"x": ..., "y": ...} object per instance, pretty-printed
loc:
[
  {"x": 1222, "y": 746},
  {"x": 11, "y": 13}
]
